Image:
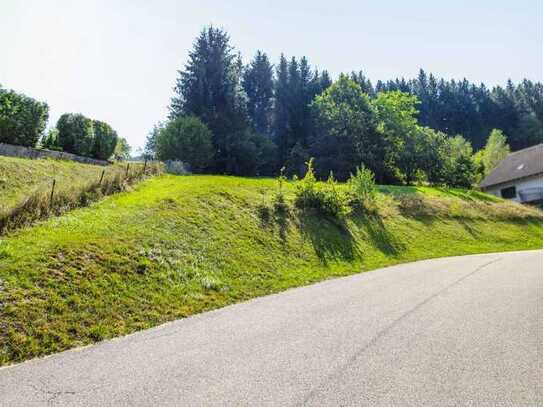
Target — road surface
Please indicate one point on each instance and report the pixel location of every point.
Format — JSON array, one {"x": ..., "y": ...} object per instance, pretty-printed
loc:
[{"x": 464, "y": 331}]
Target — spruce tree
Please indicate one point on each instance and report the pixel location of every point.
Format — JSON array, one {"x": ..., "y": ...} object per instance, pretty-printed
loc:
[
  {"x": 280, "y": 111},
  {"x": 209, "y": 88},
  {"x": 258, "y": 85}
]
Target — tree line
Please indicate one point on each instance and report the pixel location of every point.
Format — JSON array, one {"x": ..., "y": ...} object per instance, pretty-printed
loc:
[
  {"x": 23, "y": 121},
  {"x": 254, "y": 119},
  {"x": 461, "y": 107}
]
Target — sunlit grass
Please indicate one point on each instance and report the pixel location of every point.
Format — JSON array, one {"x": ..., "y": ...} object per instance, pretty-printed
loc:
[{"x": 176, "y": 246}]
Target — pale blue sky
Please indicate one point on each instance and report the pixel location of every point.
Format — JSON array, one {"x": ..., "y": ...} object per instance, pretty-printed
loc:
[{"x": 117, "y": 60}]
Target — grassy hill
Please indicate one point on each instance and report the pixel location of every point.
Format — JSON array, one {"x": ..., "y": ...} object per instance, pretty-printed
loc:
[
  {"x": 19, "y": 177},
  {"x": 176, "y": 246},
  {"x": 25, "y": 186}
]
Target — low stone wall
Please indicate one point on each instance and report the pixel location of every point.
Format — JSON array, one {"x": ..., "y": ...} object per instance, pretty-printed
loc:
[{"x": 33, "y": 153}]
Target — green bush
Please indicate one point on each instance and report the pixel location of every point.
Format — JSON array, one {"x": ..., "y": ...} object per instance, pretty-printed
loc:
[
  {"x": 186, "y": 139},
  {"x": 323, "y": 197},
  {"x": 105, "y": 140},
  {"x": 76, "y": 134},
  {"x": 279, "y": 202},
  {"x": 22, "y": 119},
  {"x": 362, "y": 186},
  {"x": 80, "y": 135}
]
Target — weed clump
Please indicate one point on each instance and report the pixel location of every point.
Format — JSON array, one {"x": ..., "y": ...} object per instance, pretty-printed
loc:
[
  {"x": 325, "y": 198},
  {"x": 362, "y": 188},
  {"x": 280, "y": 204}
]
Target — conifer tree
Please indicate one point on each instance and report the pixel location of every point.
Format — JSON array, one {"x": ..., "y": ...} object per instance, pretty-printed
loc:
[
  {"x": 210, "y": 88},
  {"x": 258, "y": 85}
]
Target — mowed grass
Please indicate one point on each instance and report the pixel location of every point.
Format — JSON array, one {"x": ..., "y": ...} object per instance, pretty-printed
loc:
[{"x": 176, "y": 246}]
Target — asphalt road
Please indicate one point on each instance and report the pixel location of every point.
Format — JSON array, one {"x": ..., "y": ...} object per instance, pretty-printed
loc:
[{"x": 451, "y": 332}]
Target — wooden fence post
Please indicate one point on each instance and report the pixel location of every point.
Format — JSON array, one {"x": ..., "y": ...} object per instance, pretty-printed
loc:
[
  {"x": 127, "y": 168},
  {"x": 52, "y": 193},
  {"x": 144, "y": 166},
  {"x": 101, "y": 177}
]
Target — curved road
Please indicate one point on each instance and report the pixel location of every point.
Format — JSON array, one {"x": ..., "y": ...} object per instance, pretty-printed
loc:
[{"x": 464, "y": 331}]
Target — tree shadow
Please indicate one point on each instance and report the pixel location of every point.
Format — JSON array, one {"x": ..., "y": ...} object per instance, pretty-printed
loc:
[
  {"x": 377, "y": 232},
  {"x": 277, "y": 216},
  {"x": 331, "y": 238},
  {"x": 469, "y": 227},
  {"x": 467, "y": 195}
]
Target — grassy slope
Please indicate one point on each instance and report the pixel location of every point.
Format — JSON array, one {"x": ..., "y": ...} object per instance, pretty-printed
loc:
[
  {"x": 19, "y": 177},
  {"x": 176, "y": 246}
]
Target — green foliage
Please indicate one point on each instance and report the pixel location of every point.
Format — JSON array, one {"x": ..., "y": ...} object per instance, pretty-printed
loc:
[
  {"x": 495, "y": 151},
  {"x": 122, "y": 150},
  {"x": 76, "y": 134},
  {"x": 398, "y": 126},
  {"x": 22, "y": 119},
  {"x": 210, "y": 88},
  {"x": 296, "y": 161},
  {"x": 150, "y": 142},
  {"x": 185, "y": 139},
  {"x": 279, "y": 201},
  {"x": 80, "y": 135},
  {"x": 385, "y": 127},
  {"x": 105, "y": 140},
  {"x": 27, "y": 192},
  {"x": 258, "y": 85},
  {"x": 161, "y": 252},
  {"x": 459, "y": 167},
  {"x": 326, "y": 197},
  {"x": 346, "y": 132},
  {"x": 50, "y": 140},
  {"x": 362, "y": 186},
  {"x": 461, "y": 107}
]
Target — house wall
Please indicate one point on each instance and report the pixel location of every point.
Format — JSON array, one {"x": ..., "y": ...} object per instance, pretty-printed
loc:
[{"x": 528, "y": 183}]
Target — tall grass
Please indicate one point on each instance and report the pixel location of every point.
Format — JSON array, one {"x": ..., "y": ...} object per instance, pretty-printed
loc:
[{"x": 56, "y": 199}]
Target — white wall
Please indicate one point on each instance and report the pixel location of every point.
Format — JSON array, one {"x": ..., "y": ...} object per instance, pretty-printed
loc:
[{"x": 528, "y": 183}]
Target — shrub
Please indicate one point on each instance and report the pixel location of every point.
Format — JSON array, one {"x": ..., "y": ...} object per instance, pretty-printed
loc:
[
  {"x": 279, "y": 202},
  {"x": 105, "y": 140},
  {"x": 186, "y": 139},
  {"x": 80, "y": 135},
  {"x": 323, "y": 197},
  {"x": 122, "y": 150},
  {"x": 362, "y": 186},
  {"x": 22, "y": 119},
  {"x": 76, "y": 134}
]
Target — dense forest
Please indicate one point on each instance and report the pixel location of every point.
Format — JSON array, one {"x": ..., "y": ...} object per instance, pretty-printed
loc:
[
  {"x": 461, "y": 107},
  {"x": 254, "y": 119}
]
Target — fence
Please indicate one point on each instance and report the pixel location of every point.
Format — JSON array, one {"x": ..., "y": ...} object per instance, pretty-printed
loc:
[
  {"x": 33, "y": 153},
  {"x": 54, "y": 198}
]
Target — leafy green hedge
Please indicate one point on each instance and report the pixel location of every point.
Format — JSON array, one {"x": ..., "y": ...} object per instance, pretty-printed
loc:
[{"x": 22, "y": 119}]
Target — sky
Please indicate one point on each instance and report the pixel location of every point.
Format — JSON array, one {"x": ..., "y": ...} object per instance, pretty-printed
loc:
[{"x": 117, "y": 60}]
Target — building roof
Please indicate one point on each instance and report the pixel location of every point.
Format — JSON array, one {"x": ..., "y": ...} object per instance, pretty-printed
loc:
[{"x": 517, "y": 165}]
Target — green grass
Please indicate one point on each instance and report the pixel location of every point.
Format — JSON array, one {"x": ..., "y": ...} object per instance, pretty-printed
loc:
[
  {"x": 27, "y": 194},
  {"x": 20, "y": 177},
  {"x": 176, "y": 246}
]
